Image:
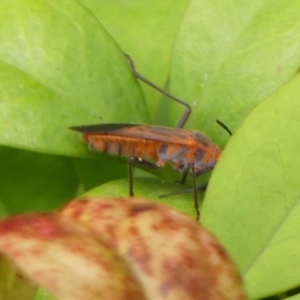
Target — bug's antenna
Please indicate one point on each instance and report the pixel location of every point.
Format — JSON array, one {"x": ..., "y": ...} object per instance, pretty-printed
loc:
[
  {"x": 188, "y": 110},
  {"x": 224, "y": 127}
]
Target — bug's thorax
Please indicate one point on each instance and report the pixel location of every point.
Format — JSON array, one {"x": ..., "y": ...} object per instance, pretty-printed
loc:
[
  {"x": 202, "y": 157},
  {"x": 208, "y": 161}
]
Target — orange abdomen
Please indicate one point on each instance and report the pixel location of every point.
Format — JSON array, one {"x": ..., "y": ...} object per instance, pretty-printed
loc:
[{"x": 124, "y": 146}]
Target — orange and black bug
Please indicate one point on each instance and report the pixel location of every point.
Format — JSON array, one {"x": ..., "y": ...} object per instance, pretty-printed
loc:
[{"x": 143, "y": 144}]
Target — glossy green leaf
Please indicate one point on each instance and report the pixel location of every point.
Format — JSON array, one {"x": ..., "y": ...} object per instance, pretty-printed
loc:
[
  {"x": 281, "y": 256},
  {"x": 35, "y": 182},
  {"x": 58, "y": 68},
  {"x": 230, "y": 55},
  {"x": 252, "y": 203},
  {"x": 146, "y": 30}
]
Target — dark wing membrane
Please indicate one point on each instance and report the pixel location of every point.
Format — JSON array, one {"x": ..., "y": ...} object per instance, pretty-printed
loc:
[
  {"x": 149, "y": 132},
  {"x": 100, "y": 128}
]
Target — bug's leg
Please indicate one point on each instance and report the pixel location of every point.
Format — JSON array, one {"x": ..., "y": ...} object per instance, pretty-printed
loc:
[
  {"x": 136, "y": 161},
  {"x": 196, "y": 202},
  {"x": 130, "y": 177},
  {"x": 183, "y": 179},
  {"x": 188, "y": 109},
  {"x": 185, "y": 191}
]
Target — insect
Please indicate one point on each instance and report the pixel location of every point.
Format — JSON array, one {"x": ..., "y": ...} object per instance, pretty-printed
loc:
[{"x": 153, "y": 146}]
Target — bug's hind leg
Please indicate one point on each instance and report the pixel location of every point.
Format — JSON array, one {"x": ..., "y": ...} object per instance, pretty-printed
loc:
[{"x": 194, "y": 189}]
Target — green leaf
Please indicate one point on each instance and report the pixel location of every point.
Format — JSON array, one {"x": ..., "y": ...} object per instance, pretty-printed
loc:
[
  {"x": 283, "y": 245},
  {"x": 58, "y": 68},
  {"x": 230, "y": 55},
  {"x": 150, "y": 29},
  {"x": 252, "y": 203},
  {"x": 35, "y": 182}
]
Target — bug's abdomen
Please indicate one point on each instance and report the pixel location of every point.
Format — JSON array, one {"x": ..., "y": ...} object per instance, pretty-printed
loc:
[{"x": 124, "y": 146}]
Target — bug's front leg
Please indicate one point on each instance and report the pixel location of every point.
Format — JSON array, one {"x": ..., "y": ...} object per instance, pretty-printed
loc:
[
  {"x": 137, "y": 161},
  {"x": 130, "y": 177},
  {"x": 183, "y": 178}
]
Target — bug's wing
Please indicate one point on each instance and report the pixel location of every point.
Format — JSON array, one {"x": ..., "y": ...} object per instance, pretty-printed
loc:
[
  {"x": 101, "y": 128},
  {"x": 149, "y": 132}
]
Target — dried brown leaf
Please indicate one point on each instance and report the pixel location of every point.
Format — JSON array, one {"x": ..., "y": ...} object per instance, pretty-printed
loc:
[
  {"x": 66, "y": 259},
  {"x": 126, "y": 248}
]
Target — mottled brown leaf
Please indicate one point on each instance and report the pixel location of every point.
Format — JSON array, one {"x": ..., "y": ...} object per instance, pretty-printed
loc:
[
  {"x": 119, "y": 249},
  {"x": 66, "y": 259}
]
